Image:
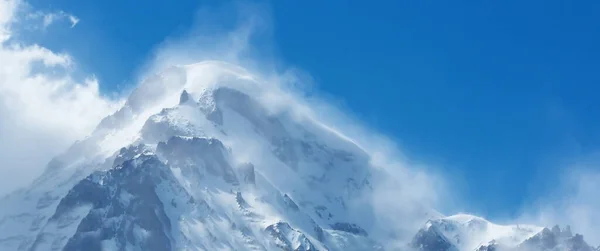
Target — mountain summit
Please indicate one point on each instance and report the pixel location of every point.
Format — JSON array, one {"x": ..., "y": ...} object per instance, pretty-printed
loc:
[{"x": 198, "y": 159}]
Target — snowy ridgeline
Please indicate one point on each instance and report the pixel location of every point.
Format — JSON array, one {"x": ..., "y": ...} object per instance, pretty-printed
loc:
[{"x": 195, "y": 160}]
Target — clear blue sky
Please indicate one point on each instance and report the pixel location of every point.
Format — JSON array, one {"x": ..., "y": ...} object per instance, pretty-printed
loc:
[{"x": 497, "y": 92}]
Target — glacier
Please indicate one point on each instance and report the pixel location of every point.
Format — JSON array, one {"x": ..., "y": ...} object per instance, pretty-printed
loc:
[{"x": 198, "y": 158}]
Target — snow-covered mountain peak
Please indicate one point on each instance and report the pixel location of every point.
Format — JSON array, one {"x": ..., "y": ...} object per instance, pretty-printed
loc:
[{"x": 198, "y": 158}]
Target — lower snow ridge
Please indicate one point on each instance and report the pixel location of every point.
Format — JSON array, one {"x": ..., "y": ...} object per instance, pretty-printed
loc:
[{"x": 464, "y": 232}]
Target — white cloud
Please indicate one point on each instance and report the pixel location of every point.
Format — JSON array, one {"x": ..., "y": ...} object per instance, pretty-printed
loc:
[
  {"x": 73, "y": 19},
  {"x": 43, "y": 109},
  {"x": 7, "y": 12},
  {"x": 46, "y": 19}
]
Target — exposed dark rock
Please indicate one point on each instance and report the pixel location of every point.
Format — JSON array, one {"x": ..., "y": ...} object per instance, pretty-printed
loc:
[
  {"x": 184, "y": 97},
  {"x": 125, "y": 207},
  {"x": 205, "y": 153},
  {"x": 350, "y": 228},
  {"x": 429, "y": 239}
]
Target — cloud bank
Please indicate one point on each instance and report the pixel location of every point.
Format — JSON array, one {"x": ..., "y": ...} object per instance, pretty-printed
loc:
[{"x": 43, "y": 108}]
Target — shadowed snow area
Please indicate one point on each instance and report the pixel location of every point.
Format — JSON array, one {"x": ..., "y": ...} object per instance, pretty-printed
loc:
[{"x": 210, "y": 157}]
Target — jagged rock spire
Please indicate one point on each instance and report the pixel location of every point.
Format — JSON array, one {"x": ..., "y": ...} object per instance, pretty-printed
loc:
[{"x": 185, "y": 96}]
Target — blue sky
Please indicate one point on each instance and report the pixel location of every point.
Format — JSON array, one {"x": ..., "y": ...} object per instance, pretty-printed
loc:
[{"x": 498, "y": 94}]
